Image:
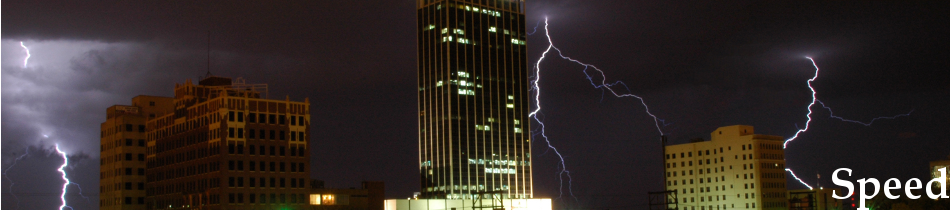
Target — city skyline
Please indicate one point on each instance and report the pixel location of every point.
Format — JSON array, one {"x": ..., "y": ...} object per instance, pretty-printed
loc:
[{"x": 699, "y": 66}]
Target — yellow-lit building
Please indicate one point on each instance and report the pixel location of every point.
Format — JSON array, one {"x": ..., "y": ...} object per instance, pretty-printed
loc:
[
  {"x": 736, "y": 169},
  {"x": 937, "y": 165},
  {"x": 122, "y": 151}
]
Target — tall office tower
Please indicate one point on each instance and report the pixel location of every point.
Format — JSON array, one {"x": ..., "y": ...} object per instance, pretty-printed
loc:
[
  {"x": 473, "y": 99},
  {"x": 736, "y": 169},
  {"x": 122, "y": 149},
  {"x": 226, "y": 146}
]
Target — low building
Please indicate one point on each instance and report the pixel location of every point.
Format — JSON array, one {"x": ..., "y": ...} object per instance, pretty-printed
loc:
[
  {"x": 937, "y": 165},
  {"x": 459, "y": 204},
  {"x": 816, "y": 199},
  {"x": 368, "y": 197},
  {"x": 736, "y": 169}
]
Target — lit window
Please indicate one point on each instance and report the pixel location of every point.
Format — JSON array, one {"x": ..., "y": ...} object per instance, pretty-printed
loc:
[
  {"x": 517, "y": 130},
  {"x": 517, "y": 122},
  {"x": 438, "y": 84},
  {"x": 511, "y": 97},
  {"x": 511, "y": 106},
  {"x": 492, "y": 29},
  {"x": 445, "y": 30},
  {"x": 506, "y": 31},
  {"x": 463, "y": 74},
  {"x": 483, "y": 127},
  {"x": 491, "y": 119},
  {"x": 431, "y": 27},
  {"x": 315, "y": 199},
  {"x": 459, "y": 31}
]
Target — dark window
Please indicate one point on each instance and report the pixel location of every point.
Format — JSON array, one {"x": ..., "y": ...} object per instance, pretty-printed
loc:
[
  {"x": 231, "y": 116},
  {"x": 240, "y": 181},
  {"x": 230, "y": 132},
  {"x": 240, "y": 116},
  {"x": 272, "y": 150},
  {"x": 282, "y": 185},
  {"x": 300, "y": 134},
  {"x": 250, "y": 133},
  {"x": 240, "y": 165},
  {"x": 262, "y": 169},
  {"x": 293, "y": 184},
  {"x": 141, "y": 185},
  {"x": 251, "y": 118},
  {"x": 272, "y": 135},
  {"x": 128, "y": 156},
  {"x": 128, "y": 186},
  {"x": 240, "y": 133},
  {"x": 302, "y": 149},
  {"x": 141, "y": 128},
  {"x": 230, "y": 148},
  {"x": 293, "y": 168},
  {"x": 251, "y": 150},
  {"x": 272, "y": 119},
  {"x": 141, "y": 157},
  {"x": 128, "y": 200},
  {"x": 301, "y": 120},
  {"x": 128, "y": 142},
  {"x": 240, "y": 149},
  {"x": 282, "y": 119},
  {"x": 293, "y": 151},
  {"x": 230, "y": 165},
  {"x": 282, "y": 151},
  {"x": 151, "y": 103},
  {"x": 141, "y": 142},
  {"x": 230, "y": 181},
  {"x": 273, "y": 166},
  {"x": 240, "y": 197},
  {"x": 230, "y": 197},
  {"x": 282, "y": 135},
  {"x": 251, "y": 165},
  {"x": 293, "y": 136},
  {"x": 282, "y": 170},
  {"x": 251, "y": 196},
  {"x": 128, "y": 127},
  {"x": 262, "y": 150},
  {"x": 141, "y": 200},
  {"x": 301, "y": 168},
  {"x": 142, "y": 171},
  {"x": 262, "y": 134},
  {"x": 272, "y": 184},
  {"x": 252, "y": 183},
  {"x": 293, "y": 120}
]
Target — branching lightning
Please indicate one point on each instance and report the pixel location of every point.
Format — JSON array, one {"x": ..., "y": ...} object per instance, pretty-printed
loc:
[
  {"x": 27, "y": 59},
  {"x": 25, "y": 153},
  {"x": 603, "y": 85},
  {"x": 66, "y": 181},
  {"x": 814, "y": 100}
]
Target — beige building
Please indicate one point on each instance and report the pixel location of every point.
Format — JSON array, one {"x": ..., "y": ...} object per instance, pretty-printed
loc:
[
  {"x": 937, "y": 165},
  {"x": 736, "y": 169},
  {"x": 122, "y": 151}
]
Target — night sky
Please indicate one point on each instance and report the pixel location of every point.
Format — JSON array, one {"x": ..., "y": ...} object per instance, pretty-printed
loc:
[{"x": 698, "y": 65}]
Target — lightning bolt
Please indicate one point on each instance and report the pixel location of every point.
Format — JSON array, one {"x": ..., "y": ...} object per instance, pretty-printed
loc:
[
  {"x": 815, "y": 100},
  {"x": 603, "y": 86},
  {"x": 66, "y": 181},
  {"x": 796, "y": 178},
  {"x": 26, "y": 152},
  {"x": 27, "y": 59}
]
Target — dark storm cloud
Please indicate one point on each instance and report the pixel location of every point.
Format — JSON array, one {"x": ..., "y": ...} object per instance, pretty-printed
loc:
[{"x": 700, "y": 65}]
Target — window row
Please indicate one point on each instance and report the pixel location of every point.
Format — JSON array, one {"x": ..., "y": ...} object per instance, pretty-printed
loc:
[{"x": 270, "y": 182}]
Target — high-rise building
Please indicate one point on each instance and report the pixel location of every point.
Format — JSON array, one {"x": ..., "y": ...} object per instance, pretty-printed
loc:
[
  {"x": 224, "y": 145},
  {"x": 735, "y": 169},
  {"x": 122, "y": 151},
  {"x": 473, "y": 99}
]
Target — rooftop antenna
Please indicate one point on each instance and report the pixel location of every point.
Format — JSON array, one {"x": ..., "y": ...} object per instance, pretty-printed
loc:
[{"x": 209, "y": 54}]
